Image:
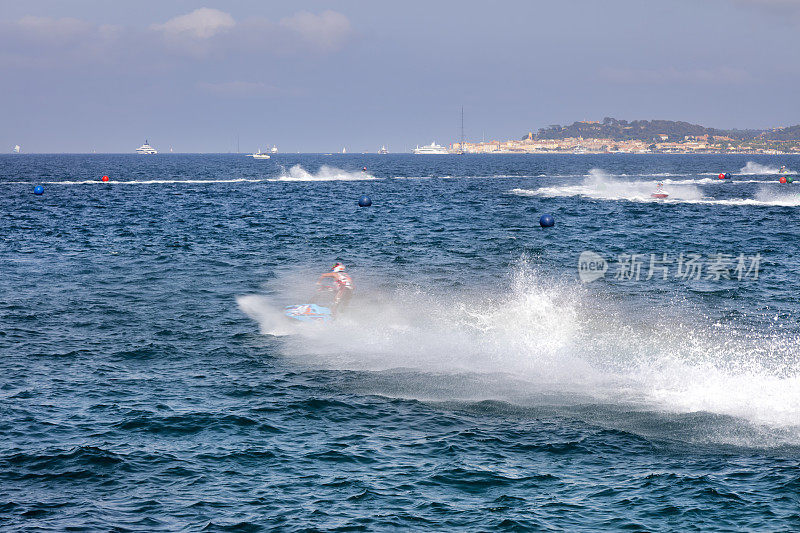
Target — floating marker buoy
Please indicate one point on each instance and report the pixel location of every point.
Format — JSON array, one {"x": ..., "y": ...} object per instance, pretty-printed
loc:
[
  {"x": 721, "y": 176},
  {"x": 105, "y": 178},
  {"x": 789, "y": 179},
  {"x": 38, "y": 190},
  {"x": 727, "y": 175},
  {"x": 364, "y": 169},
  {"x": 547, "y": 221},
  {"x": 364, "y": 201},
  {"x": 783, "y": 179}
]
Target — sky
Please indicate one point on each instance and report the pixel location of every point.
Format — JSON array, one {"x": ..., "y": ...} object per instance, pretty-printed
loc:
[{"x": 316, "y": 76}]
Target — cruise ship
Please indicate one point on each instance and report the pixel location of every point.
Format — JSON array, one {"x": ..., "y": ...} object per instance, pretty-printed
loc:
[
  {"x": 146, "y": 149},
  {"x": 432, "y": 148}
]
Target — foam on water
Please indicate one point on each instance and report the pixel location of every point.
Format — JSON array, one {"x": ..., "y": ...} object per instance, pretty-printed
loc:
[
  {"x": 535, "y": 402},
  {"x": 295, "y": 173},
  {"x": 600, "y": 186},
  {"x": 754, "y": 168},
  {"x": 325, "y": 173},
  {"x": 709, "y": 181},
  {"x": 562, "y": 340},
  {"x": 138, "y": 182}
]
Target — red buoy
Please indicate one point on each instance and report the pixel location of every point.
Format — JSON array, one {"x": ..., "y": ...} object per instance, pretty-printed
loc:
[
  {"x": 105, "y": 178},
  {"x": 721, "y": 176},
  {"x": 364, "y": 169},
  {"x": 783, "y": 179}
]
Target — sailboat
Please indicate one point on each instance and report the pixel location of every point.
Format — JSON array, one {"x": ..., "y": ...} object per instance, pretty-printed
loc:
[
  {"x": 344, "y": 150},
  {"x": 17, "y": 149}
]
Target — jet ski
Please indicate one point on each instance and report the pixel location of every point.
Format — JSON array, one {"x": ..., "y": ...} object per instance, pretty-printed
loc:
[
  {"x": 659, "y": 193},
  {"x": 308, "y": 313}
]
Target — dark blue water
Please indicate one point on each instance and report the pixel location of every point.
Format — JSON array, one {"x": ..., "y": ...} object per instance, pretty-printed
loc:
[{"x": 150, "y": 383}]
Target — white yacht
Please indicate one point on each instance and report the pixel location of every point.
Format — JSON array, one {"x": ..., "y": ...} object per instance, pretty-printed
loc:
[
  {"x": 432, "y": 148},
  {"x": 146, "y": 149},
  {"x": 383, "y": 150},
  {"x": 274, "y": 149},
  {"x": 260, "y": 155},
  {"x": 17, "y": 149}
]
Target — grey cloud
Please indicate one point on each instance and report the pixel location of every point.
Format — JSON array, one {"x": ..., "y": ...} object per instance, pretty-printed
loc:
[
  {"x": 210, "y": 32},
  {"x": 52, "y": 29},
  {"x": 672, "y": 75},
  {"x": 776, "y": 7},
  {"x": 47, "y": 42},
  {"x": 782, "y": 4},
  {"x": 328, "y": 30},
  {"x": 202, "y": 34},
  {"x": 244, "y": 89},
  {"x": 201, "y": 23}
]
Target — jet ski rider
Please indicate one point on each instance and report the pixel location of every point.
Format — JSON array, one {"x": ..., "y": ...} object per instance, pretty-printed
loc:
[{"x": 343, "y": 287}]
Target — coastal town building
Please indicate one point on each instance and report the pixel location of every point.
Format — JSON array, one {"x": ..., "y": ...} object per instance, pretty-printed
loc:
[{"x": 579, "y": 145}]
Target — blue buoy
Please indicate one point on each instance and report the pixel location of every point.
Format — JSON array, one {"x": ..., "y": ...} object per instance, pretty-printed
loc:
[
  {"x": 38, "y": 190},
  {"x": 547, "y": 221},
  {"x": 364, "y": 201},
  {"x": 727, "y": 175}
]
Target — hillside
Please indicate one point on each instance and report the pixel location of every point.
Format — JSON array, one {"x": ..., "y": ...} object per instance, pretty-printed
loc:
[{"x": 655, "y": 130}]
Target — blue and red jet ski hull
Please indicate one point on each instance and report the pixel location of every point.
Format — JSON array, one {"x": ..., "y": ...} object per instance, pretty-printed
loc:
[{"x": 308, "y": 313}]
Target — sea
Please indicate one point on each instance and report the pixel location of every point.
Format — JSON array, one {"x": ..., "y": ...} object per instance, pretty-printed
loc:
[{"x": 633, "y": 367}]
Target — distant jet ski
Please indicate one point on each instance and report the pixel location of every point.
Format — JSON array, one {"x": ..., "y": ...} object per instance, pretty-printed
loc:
[
  {"x": 659, "y": 192},
  {"x": 308, "y": 313}
]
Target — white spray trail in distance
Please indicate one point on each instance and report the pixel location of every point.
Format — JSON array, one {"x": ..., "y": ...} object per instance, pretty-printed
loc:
[
  {"x": 325, "y": 173},
  {"x": 537, "y": 337},
  {"x": 757, "y": 169},
  {"x": 599, "y": 185}
]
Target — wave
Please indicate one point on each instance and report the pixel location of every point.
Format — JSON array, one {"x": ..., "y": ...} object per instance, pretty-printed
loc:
[
  {"x": 600, "y": 186},
  {"x": 754, "y": 168},
  {"x": 763, "y": 199},
  {"x": 325, "y": 173},
  {"x": 269, "y": 315},
  {"x": 543, "y": 339},
  {"x": 492, "y": 176},
  {"x": 707, "y": 181},
  {"x": 136, "y": 182},
  {"x": 295, "y": 173}
]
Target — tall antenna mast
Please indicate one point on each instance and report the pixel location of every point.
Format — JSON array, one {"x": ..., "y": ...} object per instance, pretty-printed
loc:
[{"x": 461, "y": 151}]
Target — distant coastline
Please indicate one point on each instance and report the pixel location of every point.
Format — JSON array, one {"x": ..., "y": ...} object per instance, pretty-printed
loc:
[{"x": 642, "y": 136}]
